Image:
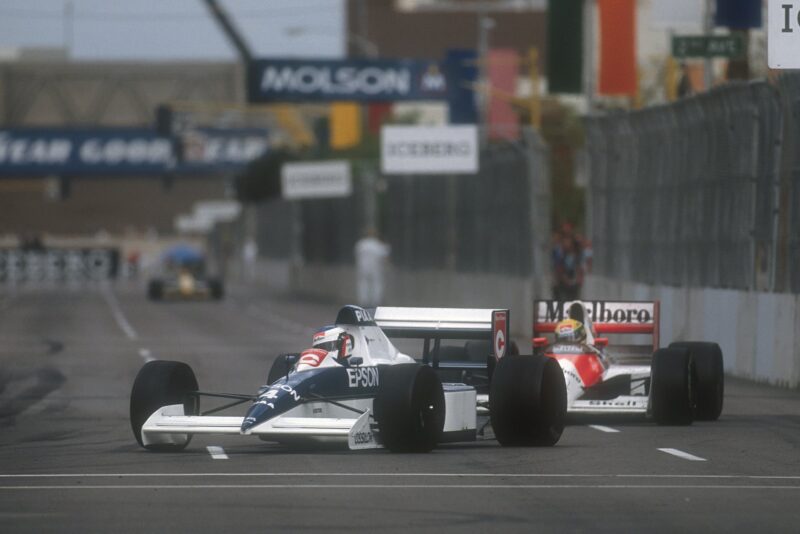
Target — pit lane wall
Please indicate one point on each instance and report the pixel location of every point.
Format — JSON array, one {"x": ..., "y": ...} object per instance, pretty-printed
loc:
[{"x": 759, "y": 332}]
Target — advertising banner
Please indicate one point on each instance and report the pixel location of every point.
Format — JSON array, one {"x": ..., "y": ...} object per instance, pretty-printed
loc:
[
  {"x": 83, "y": 151},
  {"x": 221, "y": 148},
  {"x": 783, "y": 34},
  {"x": 319, "y": 179},
  {"x": 429, "y": 149},
  {"x": 58, "y": 264},
  {"x": 327, "y": 80},
  {"x": 126, "y": 151}
]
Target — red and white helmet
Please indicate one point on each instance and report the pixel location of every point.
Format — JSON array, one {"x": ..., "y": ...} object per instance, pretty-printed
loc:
[{"x": 330, "y": 338}]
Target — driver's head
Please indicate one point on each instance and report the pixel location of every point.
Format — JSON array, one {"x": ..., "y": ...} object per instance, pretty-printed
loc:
[
  {"x": 570, "y": 331},
  {"x": 329, "y": 338}
]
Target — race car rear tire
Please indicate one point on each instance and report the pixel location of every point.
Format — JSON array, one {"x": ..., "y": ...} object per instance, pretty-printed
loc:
[
  {"x": 409, "y": 408},
  {"x": 672, "y": 387},
  {"x": 710, "y": 375},
  {"x": 216, "y": 288},
  {"x": 527, "y": 401},
  {"x": 162, "y": 383},
  {"x": 155, "y": 289}
]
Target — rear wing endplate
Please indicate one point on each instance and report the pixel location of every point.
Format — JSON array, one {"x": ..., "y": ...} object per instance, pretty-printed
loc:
[{"x": 446, "y": 323}]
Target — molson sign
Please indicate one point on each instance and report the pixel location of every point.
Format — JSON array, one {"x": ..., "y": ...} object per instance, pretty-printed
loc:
[{"x": 282, "y": 80}]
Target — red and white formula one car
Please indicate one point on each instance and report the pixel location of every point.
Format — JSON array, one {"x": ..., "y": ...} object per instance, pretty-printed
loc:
[{"x": 674, "y": 385}]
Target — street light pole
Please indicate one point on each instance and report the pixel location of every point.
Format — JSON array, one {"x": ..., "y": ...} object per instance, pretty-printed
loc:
[{"x": 485, "y": 25}]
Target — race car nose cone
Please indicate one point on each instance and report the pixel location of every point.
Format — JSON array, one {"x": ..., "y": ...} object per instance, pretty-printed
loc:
[
  {"x": 247, "y": 425},
  {"x": 257, "y": 414}
]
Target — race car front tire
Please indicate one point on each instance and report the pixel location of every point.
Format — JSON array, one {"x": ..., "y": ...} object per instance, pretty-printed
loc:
[
  {"x": 710, "y": 375},
  {"x": 672, "y": 387},
  {"x": 279, "y": 369},
  {"x": 155, "y": 289},
  {"x": 216, "y": 288},
  {"x": 409, "y": 407},
  {"x": 162, "y": 383},
  {"x": 527, "y": 401}
]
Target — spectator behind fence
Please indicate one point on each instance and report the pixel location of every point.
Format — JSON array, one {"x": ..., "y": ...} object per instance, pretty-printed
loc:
[
  {"x": 371, "y": 257},
  {"x": 568, "y": 264}
]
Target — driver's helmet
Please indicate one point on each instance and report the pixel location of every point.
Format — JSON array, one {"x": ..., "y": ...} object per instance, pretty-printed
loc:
[
  {"x": 570, "y": 331},
  {"x": 327, "y": 338}
]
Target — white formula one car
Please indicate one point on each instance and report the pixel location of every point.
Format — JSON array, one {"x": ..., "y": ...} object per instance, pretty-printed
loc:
[
  {"x": 674, "y": 385},
  {"x": 354, "y": 386}
]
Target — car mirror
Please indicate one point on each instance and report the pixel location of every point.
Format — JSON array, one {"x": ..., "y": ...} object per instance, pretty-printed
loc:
[
  {"x": 341, "y": 343},
  {"x": 601, "y": 342},
  {"x": 290, "y": 359},
  {"x": 356, "y": 360},
  {"x": 539, "y": 342}
]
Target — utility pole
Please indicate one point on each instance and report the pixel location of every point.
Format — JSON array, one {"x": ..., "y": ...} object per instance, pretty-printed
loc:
[
  {"x": 69, "y": 26},
  {"x": 588, "y": 54},
  {"x": 485, "y": 25},
  {"x": 231, "y": 31},
  {"x": 708, "y": 29}
]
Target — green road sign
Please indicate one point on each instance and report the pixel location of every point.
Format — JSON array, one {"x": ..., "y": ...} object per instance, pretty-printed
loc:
[{"x": 685, "y": 46}]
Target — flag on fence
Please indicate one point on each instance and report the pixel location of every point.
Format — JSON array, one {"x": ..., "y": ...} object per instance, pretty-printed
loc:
[
  {"x": 617, "y": 47},
  {"x": 345, "y": 125},
  {"x": 565, "y": 46},
  {"x": 738, "y": 14},
  {"x": 503, "y": 69}
]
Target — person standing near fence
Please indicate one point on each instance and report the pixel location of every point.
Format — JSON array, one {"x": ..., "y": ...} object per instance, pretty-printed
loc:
[
  {"x": 568, "y": 265},
  {"x": 372, "y": 255}
]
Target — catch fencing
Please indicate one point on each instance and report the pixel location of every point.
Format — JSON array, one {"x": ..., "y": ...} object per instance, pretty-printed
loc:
[
  {"x": 701, "y": 192},
  {"x": 496, "y": 221}
]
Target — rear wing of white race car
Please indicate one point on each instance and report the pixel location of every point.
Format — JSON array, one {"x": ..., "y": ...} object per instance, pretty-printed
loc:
[
  {"x": 607, "y": 317},
  {"x": 436, "y": 324}
]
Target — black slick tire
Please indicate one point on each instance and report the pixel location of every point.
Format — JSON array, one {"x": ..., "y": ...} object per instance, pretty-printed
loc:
[
  {"x": 278, "y": 370},
  {"x": 155, "y": 289},
  {"x": 528, "y": 401},
  {"x": 162, "y": 383},
  {"x": 672, "y": 387},
  {"x": 216, "y": 288},
  {"x": 409, "y": 407},
  {"x": 709, "y": 371}
]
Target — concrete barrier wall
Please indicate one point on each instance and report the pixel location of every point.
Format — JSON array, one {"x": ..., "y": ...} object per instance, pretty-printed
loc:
[
  {"x": 428, "y": 288},
  {"x": 756, "y": 331}
]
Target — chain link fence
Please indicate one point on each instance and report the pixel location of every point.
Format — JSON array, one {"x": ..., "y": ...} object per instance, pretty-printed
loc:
[
  {"x": 495, "y": 221},
  {"x": 489, "y": 222},
  {"x": 689, "y": 193},
  {"x": 790, "y": 180}
]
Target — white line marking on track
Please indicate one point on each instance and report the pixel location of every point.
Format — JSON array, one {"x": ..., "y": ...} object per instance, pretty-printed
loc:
[
  {"x": 400, "y": 486},
  {"x": 684, "y": 455},
  {"x": 146, "y": 355},
  {"x": 602, "y": 428},
  {"x": 217, "y": 452},
  {"x": 116, "y": 312},
  {"x": 394, "y": 475}
]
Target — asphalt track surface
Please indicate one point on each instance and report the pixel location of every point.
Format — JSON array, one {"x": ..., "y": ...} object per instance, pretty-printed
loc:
[{"x": 69, "y": 462}]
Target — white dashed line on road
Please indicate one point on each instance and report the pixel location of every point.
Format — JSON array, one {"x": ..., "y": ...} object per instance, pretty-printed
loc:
[
  {"x": 216, "y": 452},
  {"x": 602, "y": 428},
  {"x": 116, "y": 312},
  {"x": 684, "y": 455}
]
